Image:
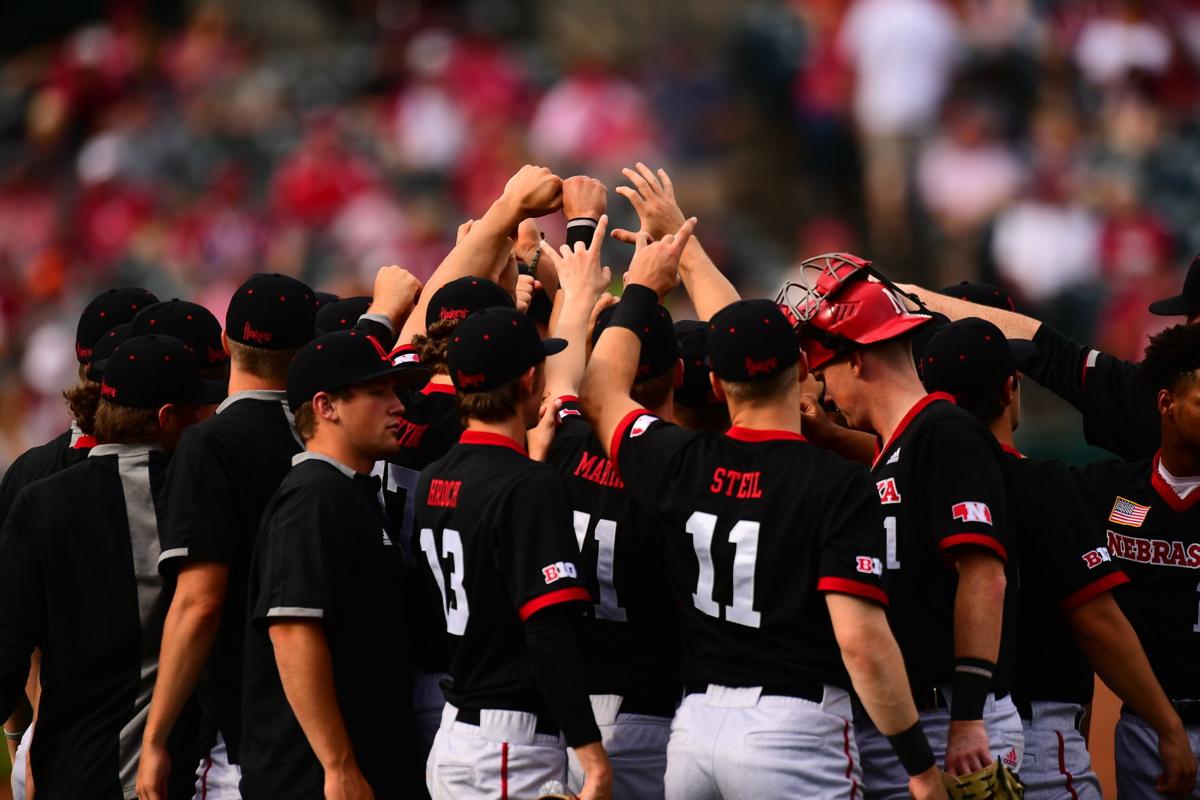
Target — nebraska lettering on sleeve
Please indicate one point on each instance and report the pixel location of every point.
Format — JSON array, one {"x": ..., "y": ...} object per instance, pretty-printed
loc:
[
  {"x": 443, "y": 494},
  {"x": 598, "y": 469},
  {"x": 1154, "y": 551},
  {"x": 971, "y": 511},
  {"x": 732, "y": 483},
  {"x": 410, "y": 433}
]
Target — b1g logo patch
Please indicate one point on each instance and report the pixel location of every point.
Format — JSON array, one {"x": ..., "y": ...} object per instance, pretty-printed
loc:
[
  {"x": 971, "y": 511},
  {"x": 558, "y": 570},
  {"x": 888, "y": 493},
  {"x": 1095, "y": 558},
  {"x": 868, "y": 565},
  {"x": 641, "y": 424}
]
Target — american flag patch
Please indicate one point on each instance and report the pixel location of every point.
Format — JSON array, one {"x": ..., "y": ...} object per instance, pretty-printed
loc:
[{"x": 1127, "y": 512}]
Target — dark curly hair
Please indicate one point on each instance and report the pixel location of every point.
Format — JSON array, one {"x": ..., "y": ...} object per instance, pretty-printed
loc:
[
  {"x": 82, "y": 401},
  {"x": 1172, "y": 357},
  {"x": 433, "y": 344}
]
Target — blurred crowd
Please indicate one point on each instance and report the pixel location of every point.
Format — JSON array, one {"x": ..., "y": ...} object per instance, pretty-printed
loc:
[{"x": 1051, "y": 147}]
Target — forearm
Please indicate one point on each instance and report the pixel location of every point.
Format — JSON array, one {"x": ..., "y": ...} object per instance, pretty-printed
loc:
[
  {"x": 879, "y": 678},
  {"x": 551, "y": 636},
  {"x": 979, "y": 607},
  {"x": 1014, "y": 325},
  {"x": 564, "y": 371},
  {"x": 709, "y": 290},
  {"x": 1114, "y": 651},
  {"x": 608, "y": 379},
  {"x": 306, "y": 672},
  {"x": 188, "y": 635}
]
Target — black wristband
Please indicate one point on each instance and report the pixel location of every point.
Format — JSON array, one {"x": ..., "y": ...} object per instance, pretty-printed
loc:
[
  {"x": 972, "y": 682},
  {"x": 912, "y": 748},
  {"x": 580, "y": 229},
  {"x": 637, "y": 304}
]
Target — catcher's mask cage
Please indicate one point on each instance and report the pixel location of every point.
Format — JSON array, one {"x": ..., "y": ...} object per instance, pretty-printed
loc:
[{"x": 841, "y": 302}]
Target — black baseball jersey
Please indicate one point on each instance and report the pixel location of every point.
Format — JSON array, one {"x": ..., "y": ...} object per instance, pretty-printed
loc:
[
  {"x": 69, "y": 447},
  {"x": 221, "y": 477},
  {"x": 632, "y": 646},
  {"x": 429, "y": 426},
  {"x": 1064, "y": 563},
  {"x": 1118, "y": 406},
  {"x": 325, "y": 554},
  {"x": 495, "y": 530},
  {"x": 78, "y": 562},
  {"x": 941, "y": 487},
  {"x": 1155, "y": 536},
  {"x": 757, "y": 525}
]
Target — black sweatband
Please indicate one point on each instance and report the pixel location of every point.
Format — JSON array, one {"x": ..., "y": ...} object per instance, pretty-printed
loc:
[
  {"x": 581, "y": 229},
  {"x": 637, "y": 304},
  {"x": 912, "y": 748},
  {"x": 972, "y": 682}
]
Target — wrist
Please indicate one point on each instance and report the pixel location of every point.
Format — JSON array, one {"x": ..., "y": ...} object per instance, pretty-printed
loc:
[
  {"x": 501, "y": 217},
  {"x": 913, "y": 750},
  {"x": 638, "y": 302},
  {"x": 972, "y": 683}
]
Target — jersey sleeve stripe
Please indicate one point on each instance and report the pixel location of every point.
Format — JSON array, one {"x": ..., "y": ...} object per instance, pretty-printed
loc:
[
  {"x": 296, "y": 611},
  {"x": 619, "y": 434},
  {"x": 568, "y": 595},
  {"x": 979, "y": 539},
  {"x": 857, "y": 588},
  {"x": 174, "y": 552},
  {"x": 1093, "y": 590}
]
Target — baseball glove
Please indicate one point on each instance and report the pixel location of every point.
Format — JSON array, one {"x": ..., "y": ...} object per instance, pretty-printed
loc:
[
  {"x": 994, "y": 782},
  {"x": 554, "y": 790}
]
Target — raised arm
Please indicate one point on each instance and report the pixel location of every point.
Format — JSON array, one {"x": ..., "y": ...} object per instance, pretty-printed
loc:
[
  {"x": 653, "y": 198},
  {"x": 1014, "y": 325},
  {"x": 532, "y": 192},
  {"x": 653, "y": 273},
  {"x": 582, "y": 280}
]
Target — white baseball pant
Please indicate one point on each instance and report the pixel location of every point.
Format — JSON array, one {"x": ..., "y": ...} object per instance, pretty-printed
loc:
[
  {"x": 636, "y": 745},
  {"x": 1056, "y": 764},
  {"x": 216, "y": 778},
  {"x": 1136, "y": 754}
]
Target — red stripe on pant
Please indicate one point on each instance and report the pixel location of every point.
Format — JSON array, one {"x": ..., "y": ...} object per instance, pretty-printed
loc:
[
  {"x": 849, "y": 760},
  {"x": 504, "y": 771},
  {"x": 1062, "y": 765},
  {"x": 204, "y": 779}
]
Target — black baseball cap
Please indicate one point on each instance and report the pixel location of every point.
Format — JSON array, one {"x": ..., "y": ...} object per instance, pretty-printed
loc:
[
  {"x": 494, "y": 346},
  {"x": 151, "y": 371},
  {"x": 272, "y": 311},
  {"x": 105, "y": 347},
  {"x": 460, "y": 298},
  {"x": 105, "y": 312},
  {"x": 325, "y": 298},
  {"x": 971, "y": 359},
  {"x": 340, "y": 359},
  {"x": 695, "y": 391},
  {"x": 341, "y": 315},
  {"x": 983, "y": 294},
  {"x": 660, "y": 351},
  {"x": 191, "y": 322},
  {"x": 1187, "y": 302},
  {"x": 751, "y": 340}
]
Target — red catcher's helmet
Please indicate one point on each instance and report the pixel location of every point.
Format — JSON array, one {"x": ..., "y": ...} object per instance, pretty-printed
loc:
[{"x": 842, "y": 302}]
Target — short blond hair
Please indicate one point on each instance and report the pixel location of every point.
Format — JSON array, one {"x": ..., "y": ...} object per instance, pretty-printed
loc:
[
  {"x": 124, "y": 424},
  {"x": 270, "y": 365}
]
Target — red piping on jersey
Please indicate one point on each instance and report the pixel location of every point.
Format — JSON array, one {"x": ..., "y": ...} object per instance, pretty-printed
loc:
[
  {"x": 1083, "y": 379},
  {"x": 758, "y": 435},
  {"x": 983, "y": 540},
  {"x": 619, "y": 434},
  {"x": 438, "y": 388},
  {"x": 917, "y": 408},
  {"x": 568, "y": 398},
  {"x": 1062, "y": 766},
  {"x": 504, "y": 771},
  {"x": 493, "y": 439},
  {"x": 1092, "y": 590},
  {"x": 849, "y": 760},
  {"x": 1012, "y": 451},
  {"x": 568, "y": 595},
  {"x": 84, "y": 442},
  {"x": 1177, "y": 503},
  {"x": 851, "y": 586}
]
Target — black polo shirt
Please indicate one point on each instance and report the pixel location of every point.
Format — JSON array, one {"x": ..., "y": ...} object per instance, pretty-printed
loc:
[
  {"x": 222, "y": 475},
  {"x": 69, "y": 447},
  {"x": 325, "y": 554},
  {"x": 78, "y": 563}
]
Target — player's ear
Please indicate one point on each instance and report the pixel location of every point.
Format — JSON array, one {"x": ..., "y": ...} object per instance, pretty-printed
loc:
[
  {"x": 529, "y": 380},
  {"x": 1009, "y": 390},
  {"x": 718, "y": 389},
  {"x": 323, "y": 407},
  {"x": 1165, "y": 402},
  {"x": 678, "y": 374},
  {"x": 224, "y": 342},
  {"x": 855, "y": 360},
  {"x": 802, "y": 368},
  {"x": 167, "y": 416}
]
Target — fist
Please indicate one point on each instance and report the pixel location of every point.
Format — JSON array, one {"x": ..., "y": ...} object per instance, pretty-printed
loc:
[
  {"x": 584, "y": 197},
  {"x": 396, "y": 291},
  {"x": 533, "y": 192}
]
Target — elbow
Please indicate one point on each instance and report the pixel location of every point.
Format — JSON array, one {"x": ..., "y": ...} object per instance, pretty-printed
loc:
[
  {"x": 201, "y": 610},
  {"x": 982, "y": 575}
]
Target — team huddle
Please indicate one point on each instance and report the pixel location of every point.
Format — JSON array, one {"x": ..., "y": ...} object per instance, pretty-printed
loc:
[{"x": 507, "y": 535}]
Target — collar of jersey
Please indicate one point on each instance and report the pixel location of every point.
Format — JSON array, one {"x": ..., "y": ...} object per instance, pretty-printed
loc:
[
  {"x": 122, "y": 450},
  {"x": 300, "y": 458},
  {"x": 439, "y": 388},
  {"x": 758, "y": 435},
  {"x": 491, "y": 439},
  {"x": 1164, "y": 489},
  {"x": 253, "y": 394},
  {"x": 1012, "y": 451},
  {"x": 917, "y": 408}
]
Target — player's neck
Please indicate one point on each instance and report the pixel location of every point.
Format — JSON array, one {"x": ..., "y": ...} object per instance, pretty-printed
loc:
[
  {"x": 767, "y": 417},
  {"x": 329, "y": 443},
  {"x": 442, "y": 378},
  {"x": 512, "y": 428},
  {"x": 890, "y": 403},
  {"x": 1002, "y": 429},
  {"x": 242, "y": 381}
]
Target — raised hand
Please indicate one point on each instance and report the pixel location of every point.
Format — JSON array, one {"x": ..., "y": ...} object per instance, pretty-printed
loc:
[
  {"x": 533, "y": 192},
  {"x": 653, "y": 198},
  {"x": 395, "y": 295},
  {"x": 656, "y": 264},
  {"x": 579, "y": 271},
  {"x": 584, "y": 197}
]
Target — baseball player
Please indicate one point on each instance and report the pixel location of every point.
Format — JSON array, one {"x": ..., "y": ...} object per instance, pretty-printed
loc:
[
  {"x": 696, "y": 405},
  {"x": 1152, "y": 523},
  {"x": 195, "y": 325},
  {"x": 326, "y": 698},
  {"x": 769, "y": 654},
  {"x": 1065, "y": 565},
  {"x": 496, "y": 531},
  {"x": 78, "y": 557},
  {"x": 1117, "y": 402},
  {"x": 938, "y": 477},
  {"x": 220, "y": 480},
  {"x": 342, "y": 314},
  {"x": 632, "y": 644}
]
